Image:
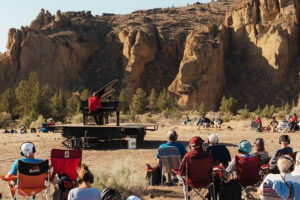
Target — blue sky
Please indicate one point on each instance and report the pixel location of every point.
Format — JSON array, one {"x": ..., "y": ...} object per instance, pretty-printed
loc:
[{"x": 15, "y": 13}]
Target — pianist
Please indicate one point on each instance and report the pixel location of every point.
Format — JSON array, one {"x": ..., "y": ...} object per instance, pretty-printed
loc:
[{"x": 94, "y": 106}]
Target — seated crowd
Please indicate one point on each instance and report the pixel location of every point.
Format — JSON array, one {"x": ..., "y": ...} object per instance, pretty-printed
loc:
[
  {"x": 204, "y": 122},
  {"x": 83, "y": 189},
  {"x": 280, "y": 176},
  {"x": 290, "y": 124}
]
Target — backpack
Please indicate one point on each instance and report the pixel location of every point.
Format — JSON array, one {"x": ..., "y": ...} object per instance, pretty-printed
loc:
[
  {"x": 154, "y": 176},
  {"x": 230, "y": 190}
]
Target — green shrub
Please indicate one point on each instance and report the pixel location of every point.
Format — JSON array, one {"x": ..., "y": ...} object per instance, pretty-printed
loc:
[
  {"x": 37, "y": 123},
  {"x": 152, "y": 99},
  {"x": 173, "y": 113},
  {"x": 165, "y": 101},
  {"x": 268, "y": 111},
  {"x": 226, "y": 117},
  {"x": 8, "y": 101},
  {"x": 58, "y": 106},
  {"x": 124, "y": 102},
  {"x": 5, "y": 120},
  {"x": 73, "y": 105},
  {"x": 228, "y": 105},
  {"x": 32, "y": 97},
  {"x": 287, "y": 108},
  {"x": 85, "y": 94},
  {"x": 124, "y": 177},
  {"x": 202, "y": 109},
  {"x": 139, "y": 102},
  {"x": 245, "y": 114},
  {"x": 258, "y": 111}
]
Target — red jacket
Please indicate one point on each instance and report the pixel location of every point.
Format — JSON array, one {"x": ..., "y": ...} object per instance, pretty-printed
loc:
[{"x": 94, "y": 103}]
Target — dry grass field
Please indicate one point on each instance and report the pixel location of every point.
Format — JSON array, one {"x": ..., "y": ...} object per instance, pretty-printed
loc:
[{"x": 105, "y": 157}]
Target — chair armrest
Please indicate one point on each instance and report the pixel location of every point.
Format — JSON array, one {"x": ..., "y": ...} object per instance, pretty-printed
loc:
[
  {"x": 9, "y": 178},
  {"x": 176, "y": 171}
]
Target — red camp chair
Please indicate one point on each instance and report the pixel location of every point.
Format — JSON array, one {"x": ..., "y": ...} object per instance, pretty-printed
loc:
[
  {"x": 248, "y": 172},
  {"x": 64, "y": 164},
  {"x": 32, "y": 180},
  {"x": 198, "y": 176}
]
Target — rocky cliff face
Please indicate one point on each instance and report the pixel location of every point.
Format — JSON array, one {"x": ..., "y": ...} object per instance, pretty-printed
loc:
[{"x": 188, "y": 50}]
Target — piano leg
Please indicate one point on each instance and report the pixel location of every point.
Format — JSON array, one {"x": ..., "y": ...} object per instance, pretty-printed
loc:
[
  {"x": 106, "y": 118},
  {"x": 84, "y": 119},
  {"x": 118, "y": 118}
]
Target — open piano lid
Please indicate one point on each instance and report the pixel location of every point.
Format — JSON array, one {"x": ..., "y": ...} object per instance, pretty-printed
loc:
[{"x": 106, "y": 90}]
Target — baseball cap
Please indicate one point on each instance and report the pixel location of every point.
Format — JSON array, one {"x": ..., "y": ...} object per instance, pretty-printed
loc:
[
  {"x": 196, "y": 141},
  {"x": 27, "y": 148},
  {"x": 245, "y": 146}
]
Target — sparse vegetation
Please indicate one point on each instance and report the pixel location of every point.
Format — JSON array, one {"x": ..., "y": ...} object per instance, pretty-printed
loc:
[
  {"x": 152, "y": 99},
  {"x": 123, "y": 176},
  {"x": 5, "y": 119},
  {"x": 245, "y": 114},
  {"x": 124, "y": 102},
  {"x": 202, "y": 109},
  {"x": 139, "y": 102},
  {"x": 228, "y": 106}
]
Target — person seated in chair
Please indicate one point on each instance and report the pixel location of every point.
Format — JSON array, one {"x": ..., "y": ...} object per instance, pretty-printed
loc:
[
  {"x": 218, "y": 122},
  {"x": 244, "y": 149},
  {"x": 218, "y": 152},
  {"x": 260, "y": 150},
  {"x": 187, "y": 120},
  {"x": 172, "y": 141},
  {"x": 293, "y": 123},
  {"x": 94, "y": 106},
  {"x": 44, "y": 127},
  {"x": 284, "y": 141},
  {"x": 273, "y": 125},
  {"x": 84, "y": 190},
  {"x": 27, "y": 150},
  {"x": 281, "y": 183},
  {"x": 204, "y": 122},
  {"x": 258, "y": 120},
  {"x": 196, "y": 152}
]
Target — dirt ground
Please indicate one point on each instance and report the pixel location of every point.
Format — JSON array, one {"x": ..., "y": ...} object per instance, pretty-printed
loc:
[{"x": 105, "y": 157}]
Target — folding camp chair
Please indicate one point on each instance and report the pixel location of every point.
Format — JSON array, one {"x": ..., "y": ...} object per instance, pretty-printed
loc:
[
  {"x": 32, "y": 180},
  {"x": 270, "y": 194},
  {"x": 64, "y": 165},
  {"x": 198, "y": 176},
  {"x": 170, "y": 159},
  {"x": 248, "y": 173}
]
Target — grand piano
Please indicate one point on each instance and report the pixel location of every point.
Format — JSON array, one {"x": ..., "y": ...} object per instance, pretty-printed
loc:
[{"x": 107, "y": 107}]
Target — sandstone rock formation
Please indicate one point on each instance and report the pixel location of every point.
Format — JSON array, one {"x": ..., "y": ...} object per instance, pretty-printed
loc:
[
  {"x": 199, "y": 52},
  {"x": 201, "y": 77}
]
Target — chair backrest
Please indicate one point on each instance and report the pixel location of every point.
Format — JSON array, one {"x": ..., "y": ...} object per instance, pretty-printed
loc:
[
  {"x": 254, "y": 125},
  {"x": 66, "y": 162},
  {"x": 32, "y": 175},
  {"x": 170, "y": 158},
  {"x": 247, "y": 170},
  {"x": 199, "y": 171}
]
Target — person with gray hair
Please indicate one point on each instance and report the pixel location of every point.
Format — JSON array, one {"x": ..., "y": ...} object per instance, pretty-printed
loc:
[
  {"x": 282, "y": 183},
  {"x": 172, "y": 141},
  {"x": 218, "y": 152}
]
